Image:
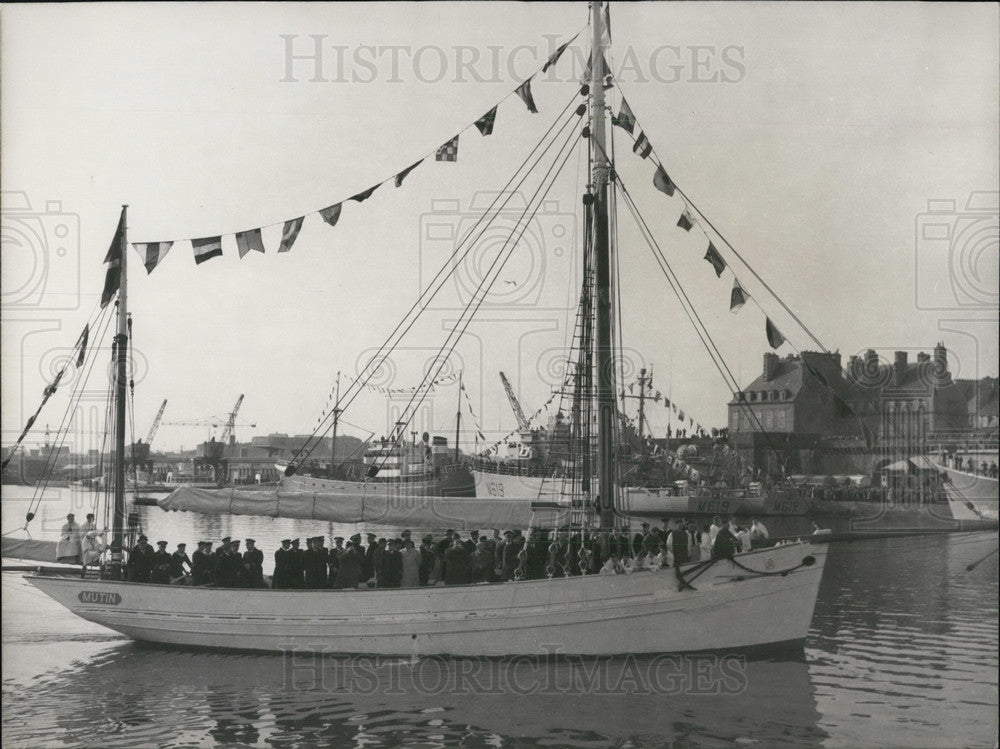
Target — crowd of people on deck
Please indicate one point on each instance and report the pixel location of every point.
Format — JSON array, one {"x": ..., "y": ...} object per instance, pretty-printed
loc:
[{"x": 449, "y": 559}]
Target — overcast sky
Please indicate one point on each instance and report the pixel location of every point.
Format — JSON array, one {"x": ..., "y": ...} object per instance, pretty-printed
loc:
[{"x": 811, "y": 135}]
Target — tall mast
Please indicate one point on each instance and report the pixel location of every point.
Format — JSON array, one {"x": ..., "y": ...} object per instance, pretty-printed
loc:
[
  {"x": 602, "y": 262},
  {"x": 336, "y": 418},
  {"x": 121, "y": 352},
  {"x": 642, "y": 410},
  {"x": 458, "y": 415}
]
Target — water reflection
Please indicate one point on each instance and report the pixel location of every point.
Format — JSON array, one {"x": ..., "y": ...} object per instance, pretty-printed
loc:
[
  {"x": 905, "y": 635},
  {"x": 141, "y": 694}
]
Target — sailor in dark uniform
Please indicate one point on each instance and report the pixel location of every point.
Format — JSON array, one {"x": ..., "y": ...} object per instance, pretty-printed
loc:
[
  {"x": 280, "y": 579},
  {"x": 369, "y": 561},
  {"x": 510, "y": 549},
  {"x": 253, "y": 566},
  {"x": 637, "y": 541},
  {"x": 726, "y": 544},
  {"x": 333, "y": 561},
  {"x": 140, "y": 561},
  {"x": 349, "y": 571},
  {"x": 428, "y": 556},
  {"x": 161, "y": 564},
  {"x": 391, "y": 573},
  {"x": 201, "y": 565},
  {"x": 538, "y": 552},
  {"x": 295, "y": 565},
  {"x": 210, "y": 561},
  {"x": 315, "y": 563},
  {"x": 177, "y": 561},
  {"x": 235, "y": 562},
  {"x": 220, "y": 564},
  {"x": 681, "y": 548}
]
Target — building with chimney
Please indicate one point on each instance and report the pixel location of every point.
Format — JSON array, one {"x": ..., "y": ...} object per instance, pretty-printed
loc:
[{"x": 805, "y": 413}]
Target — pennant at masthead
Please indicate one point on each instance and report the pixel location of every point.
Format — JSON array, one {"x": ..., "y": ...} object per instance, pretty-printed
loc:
[{"x": 113, "y": 279}]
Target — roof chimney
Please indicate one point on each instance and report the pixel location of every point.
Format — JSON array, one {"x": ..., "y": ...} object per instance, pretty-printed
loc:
[
  {"x": 854, "y": 367},
  {"x": 770, "y": 366},
  {"x": 899, "y": 368},
  {"x": 941, "y": 360}
]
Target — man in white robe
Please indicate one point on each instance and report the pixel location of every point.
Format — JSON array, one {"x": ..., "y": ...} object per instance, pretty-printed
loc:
[{"x": 68, "y": 549}]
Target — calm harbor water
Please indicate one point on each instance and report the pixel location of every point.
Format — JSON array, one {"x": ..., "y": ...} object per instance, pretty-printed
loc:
[{"x": 902, "y": 652}]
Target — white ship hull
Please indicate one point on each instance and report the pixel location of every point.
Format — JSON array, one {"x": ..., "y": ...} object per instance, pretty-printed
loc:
[
  {"x": 643, "y": 612},
  {"x": 639, "y": 501},
  {"x": 971, "y": 497},
  {"x": 512, "y": 486}
]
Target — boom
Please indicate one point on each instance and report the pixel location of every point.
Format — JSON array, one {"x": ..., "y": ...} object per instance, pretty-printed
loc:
[
  {"x": 156, "y": 423},
  {"x": 522, "y": 422},
  {"x": 231, "y": 421}
]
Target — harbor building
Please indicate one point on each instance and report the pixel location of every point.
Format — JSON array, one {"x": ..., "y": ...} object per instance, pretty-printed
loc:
[{"x": 806, "y": 413}]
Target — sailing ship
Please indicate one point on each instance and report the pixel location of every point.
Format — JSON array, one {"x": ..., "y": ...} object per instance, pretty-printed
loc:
[{"x": 764, "y": 597}]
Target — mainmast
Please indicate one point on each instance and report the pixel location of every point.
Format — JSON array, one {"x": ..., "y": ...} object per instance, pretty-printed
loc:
[
  {"x": 602, "y": 265},
  {"x": 642, "y": 408},
  {"x": 336, "y": 418},
  {"x": 458, "y": 417},
  {"x": 121, "y": 373}
]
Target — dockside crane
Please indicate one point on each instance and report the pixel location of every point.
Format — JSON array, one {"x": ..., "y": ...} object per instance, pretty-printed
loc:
[
  {"x": 523, "y": 426},
  {"x": 139, "y": 455},
  {"x": 228, "y": 422},
  {"x": 522, "y": 422},
  {"x": 227, "y": 434},
  {"x": 156, "y": 423}
]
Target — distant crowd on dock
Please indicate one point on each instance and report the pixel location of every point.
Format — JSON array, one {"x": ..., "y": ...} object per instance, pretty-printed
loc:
[
  {"x": 451, "y": 559},
  {"x": 969, "y": 465}
]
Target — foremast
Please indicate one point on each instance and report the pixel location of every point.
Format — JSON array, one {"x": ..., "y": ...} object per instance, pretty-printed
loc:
[
  {"x": 604, "y": 359},
  {"x": 121, "y": 375}
]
